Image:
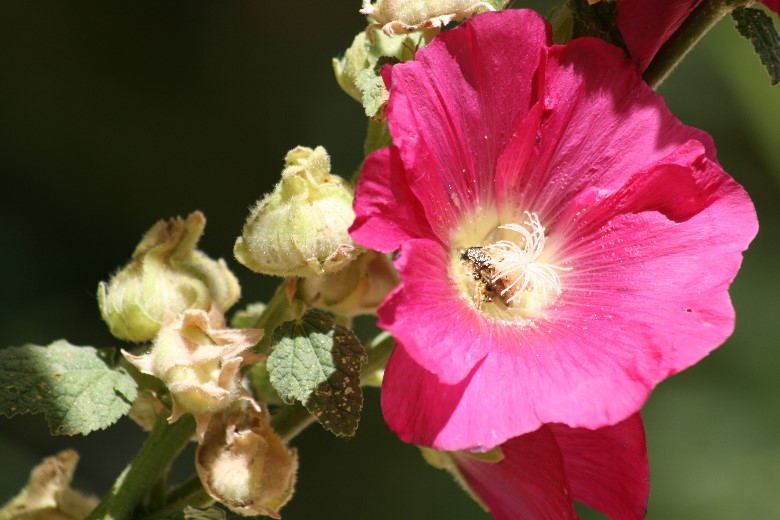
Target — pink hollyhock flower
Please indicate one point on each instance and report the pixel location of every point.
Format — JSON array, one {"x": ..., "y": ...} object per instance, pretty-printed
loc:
[
  {"x": 543, "y": 472},
  {"x": 646, "y": 24},
  {"x": 565, "y": 242}
]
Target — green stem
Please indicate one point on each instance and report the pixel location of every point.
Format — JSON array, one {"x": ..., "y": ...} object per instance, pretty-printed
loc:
[
  {"x": 184, "y": 490},
  {"x": 698, "y": 23},
  {"x": 276, "y": 312},
  {"x": 155, "y": 456},
  {"x": 191, "y": 493},
  {"x": 291, "y": 420},
  {"x": 378, "y": 353}
]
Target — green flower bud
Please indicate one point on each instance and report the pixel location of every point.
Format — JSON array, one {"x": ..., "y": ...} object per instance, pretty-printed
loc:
[
  {"x": 166, "y": 275},
  {"x": 245, "y": 465},
  {"x": 301, "y": 228},
  {"x": 357, "y": 289},
  {"x": 199, "y": 359}
]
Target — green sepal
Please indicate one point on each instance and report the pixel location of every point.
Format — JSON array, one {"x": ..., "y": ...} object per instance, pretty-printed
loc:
[
  {"x": 757, "y": 27},
  {"x": 318, "y": 363},
  {"x": 78, "y": 389}
]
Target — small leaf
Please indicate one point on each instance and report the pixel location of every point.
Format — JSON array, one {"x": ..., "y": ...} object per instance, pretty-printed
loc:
[
  {"x": 597, "y": 20},
  {"x": 499, "y": 4},
  {"x": 74, "y": 387},
  {"x": 248, "y": 317},
  {"x": 318, "y": 363},
  {"x": 757, "y": 26}
]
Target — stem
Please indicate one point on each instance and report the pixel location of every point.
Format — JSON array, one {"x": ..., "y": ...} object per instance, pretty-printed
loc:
[
  {"x": 378, "y": 353},
  {"x": 291, "y": 420},
  {"x": 190, "y": 493},
  {"x": 698, "y": 23},
  {"x": 155, "y": 456},
  {"x": 276, "y": 312}
]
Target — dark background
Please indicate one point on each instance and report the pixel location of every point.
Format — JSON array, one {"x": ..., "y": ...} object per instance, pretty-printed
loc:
[{"x": 114, "y": 115}]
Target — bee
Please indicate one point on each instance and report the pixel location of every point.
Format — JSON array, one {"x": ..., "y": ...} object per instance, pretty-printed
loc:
[
  {"x": 489, "y": 288},
  {"x": 510, "y": 272}
]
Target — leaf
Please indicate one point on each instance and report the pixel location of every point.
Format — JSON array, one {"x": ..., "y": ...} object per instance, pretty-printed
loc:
[
  {"x": 318, "y": 363},
  {"x": 74, "y": 387},
  {"x": 248, "y": 317},
  {"x": 597, "y": 20},
  {"x": 756, "y": 26}
]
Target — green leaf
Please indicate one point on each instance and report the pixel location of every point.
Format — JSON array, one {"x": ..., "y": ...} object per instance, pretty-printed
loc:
[
  {"x": 380, "y": 51},
  {"x": 499, "y": 4},
  {"x": 248, "y": 317},
  {"x": 597, "y": 20},
  {"x": 74, "y": 387},
  {"x": 756, "y": 26},
  {"x": 318, "y": 363}
]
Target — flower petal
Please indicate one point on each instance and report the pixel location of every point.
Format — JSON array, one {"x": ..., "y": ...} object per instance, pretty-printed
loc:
[
  {"x": 386, "y": 211},
  {"x": 607, "y": 468},
  {"x": 530, "y": 482},
  {"x": 601, "y": 125},
  {"x": 428, "y": 312},
  {"x": 454, "y": 109},
  {"x": 646, "y": 25}
]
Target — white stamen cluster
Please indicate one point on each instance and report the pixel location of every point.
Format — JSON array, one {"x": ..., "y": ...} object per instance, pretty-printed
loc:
[{"x": 516, "y": 264}]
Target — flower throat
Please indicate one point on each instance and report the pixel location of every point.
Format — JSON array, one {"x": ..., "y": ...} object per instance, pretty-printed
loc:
[{"x": 508, "y": 274}]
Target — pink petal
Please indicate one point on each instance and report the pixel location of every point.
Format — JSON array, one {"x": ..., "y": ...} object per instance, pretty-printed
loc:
[
  {"x": 386, "y": 212},
  {"x": 529, "y": 483},
  {"x": 454, "y": 109},
  {"x": 646, "y": 25},
  {"x": 428, "y": 311},
  {"x": 600, "y": 125},
  {"x": 607, "y": 468}
]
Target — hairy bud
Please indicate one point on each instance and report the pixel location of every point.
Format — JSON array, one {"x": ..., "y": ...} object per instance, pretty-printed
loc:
[
  {"x": 300, "y": 229},
  {"x": 166, "y": 275}
]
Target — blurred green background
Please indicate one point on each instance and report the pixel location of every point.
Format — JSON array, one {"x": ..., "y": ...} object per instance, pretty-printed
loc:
[{"x": 116, "y": 114}]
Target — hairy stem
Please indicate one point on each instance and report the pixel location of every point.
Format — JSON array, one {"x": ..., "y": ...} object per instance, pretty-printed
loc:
[
  {"x": 159, "y": 450},
  {"x": 700, "y": 21}
]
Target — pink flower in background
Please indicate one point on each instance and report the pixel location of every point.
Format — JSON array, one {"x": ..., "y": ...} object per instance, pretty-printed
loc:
[
  {"x": 647, "y": 24},
  {"x": 565, "y": 242},
  {"x": 543, "y": 472}
]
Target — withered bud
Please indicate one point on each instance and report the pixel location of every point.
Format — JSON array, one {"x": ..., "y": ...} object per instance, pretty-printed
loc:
[{"x": 245, "y": 465}]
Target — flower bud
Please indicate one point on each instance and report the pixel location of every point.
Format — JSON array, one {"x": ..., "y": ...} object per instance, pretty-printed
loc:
[
  {"x": 301, "y": 228},
  {"x": 199, "y": 359},
  {"x": 166, "y": 275},
  {"x": 357, "y": 289},
  {"x": 48, "y": 495},
  {"x": 403, "y": 16},
  {"x": 245, "y": 465}
]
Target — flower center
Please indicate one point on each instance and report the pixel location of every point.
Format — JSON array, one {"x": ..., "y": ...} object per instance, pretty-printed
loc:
[{"x": 506, "y": 278}]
